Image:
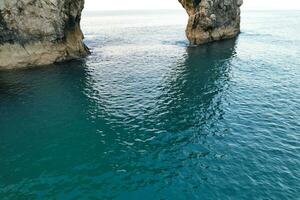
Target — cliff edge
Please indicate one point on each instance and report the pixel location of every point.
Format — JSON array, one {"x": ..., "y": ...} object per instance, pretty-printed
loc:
[{"x": 34, "y": 32}]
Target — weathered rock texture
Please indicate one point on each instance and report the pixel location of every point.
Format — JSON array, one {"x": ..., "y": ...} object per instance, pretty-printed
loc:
[
  {"x": 211, "y": 20},
  {"x": 38, "y": 32}
]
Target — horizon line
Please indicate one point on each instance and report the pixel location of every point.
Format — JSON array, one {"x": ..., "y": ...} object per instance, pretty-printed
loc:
[{"x": 178, "y": 9}]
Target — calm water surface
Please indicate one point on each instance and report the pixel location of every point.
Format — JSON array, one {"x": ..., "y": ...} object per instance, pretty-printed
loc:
[{"x": 147, "y": 116}]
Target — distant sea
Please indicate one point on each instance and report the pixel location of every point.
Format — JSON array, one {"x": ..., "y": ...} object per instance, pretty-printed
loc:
[{"x": 147, "y": 116}]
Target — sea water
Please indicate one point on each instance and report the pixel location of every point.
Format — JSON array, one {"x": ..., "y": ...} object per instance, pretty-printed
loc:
[{"x": 147, "y": 116}]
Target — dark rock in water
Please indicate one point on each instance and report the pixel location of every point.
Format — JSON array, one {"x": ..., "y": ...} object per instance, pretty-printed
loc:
[{"x": 211, "y": 20}]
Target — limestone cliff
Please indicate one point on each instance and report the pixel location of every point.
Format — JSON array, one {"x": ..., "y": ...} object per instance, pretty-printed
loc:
[
  {"x": 38, "y": 32},
  {"x": 211, "y": 20}
]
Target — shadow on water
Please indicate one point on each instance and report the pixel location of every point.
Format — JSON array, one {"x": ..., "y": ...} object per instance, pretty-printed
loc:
[
  {"x": 16, "y": 82},
  {"x": 66, "y": 127},
  {"x": 193, "y": 91},
  {"x": 159, "y": 145}
]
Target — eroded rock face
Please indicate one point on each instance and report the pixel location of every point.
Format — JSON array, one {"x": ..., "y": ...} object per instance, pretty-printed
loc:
[
  {"x": 211, "y": 20},
  {"x": 36, "y": 32}
]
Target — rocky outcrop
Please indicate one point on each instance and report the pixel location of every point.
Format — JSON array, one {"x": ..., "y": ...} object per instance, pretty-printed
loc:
[
  {"x": 211, "y": 20},
  {"x": 35, "y": 32},
  {"x": 39, "y": 32}
]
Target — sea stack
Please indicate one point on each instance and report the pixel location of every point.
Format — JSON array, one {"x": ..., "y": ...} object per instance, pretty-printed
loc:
[
  {"x": 40, "y": 32},
  {"x": 212, "y": 20},
  {"x": 34, "y": 32}
]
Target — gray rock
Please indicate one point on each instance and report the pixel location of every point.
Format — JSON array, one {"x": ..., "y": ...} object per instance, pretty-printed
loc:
[
  {"x": 39, "y": 32},
  {"x": 211, "y": 20},
  {"x": 35, "y": 32}
]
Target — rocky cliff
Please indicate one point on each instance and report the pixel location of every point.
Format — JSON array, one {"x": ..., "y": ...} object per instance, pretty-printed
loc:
[
  {"x": 38, "y": 32},
  {"x": 211, "y": 20}
]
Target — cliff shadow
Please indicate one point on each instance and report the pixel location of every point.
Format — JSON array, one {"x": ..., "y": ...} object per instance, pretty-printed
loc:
[{"x": 194, "y": 92}]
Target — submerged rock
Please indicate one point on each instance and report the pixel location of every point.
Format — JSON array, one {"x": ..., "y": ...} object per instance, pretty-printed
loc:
[
  {"x": 34, "y": 32},
  {"x": 211, "y": 20}
]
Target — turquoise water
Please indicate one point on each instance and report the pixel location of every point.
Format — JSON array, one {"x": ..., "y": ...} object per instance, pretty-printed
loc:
[{"x": 148, "y": 117}]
